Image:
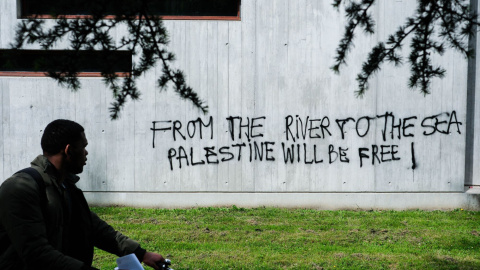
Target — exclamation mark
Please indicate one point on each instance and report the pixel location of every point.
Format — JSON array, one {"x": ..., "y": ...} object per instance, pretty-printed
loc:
[{"x": 414, "y": 162}]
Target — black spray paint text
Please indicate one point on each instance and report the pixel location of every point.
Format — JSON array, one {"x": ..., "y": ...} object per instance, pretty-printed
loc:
[{"x": 299, "y": 144}]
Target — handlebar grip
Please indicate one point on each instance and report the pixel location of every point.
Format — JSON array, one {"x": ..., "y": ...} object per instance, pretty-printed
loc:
[{"x": 164, "y": 265}]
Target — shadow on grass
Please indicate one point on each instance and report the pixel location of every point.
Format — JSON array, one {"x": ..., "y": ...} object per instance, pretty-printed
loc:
[{"x": 446, "y": 262}]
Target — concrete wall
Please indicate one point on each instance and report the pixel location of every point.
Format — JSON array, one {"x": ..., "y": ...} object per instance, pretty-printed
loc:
[{"x": 270, "y": 91}]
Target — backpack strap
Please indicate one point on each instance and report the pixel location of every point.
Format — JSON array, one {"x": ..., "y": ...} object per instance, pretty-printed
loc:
[{"x": 41, "y": 186}]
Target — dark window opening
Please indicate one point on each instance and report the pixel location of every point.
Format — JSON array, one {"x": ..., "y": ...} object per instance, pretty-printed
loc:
[
  {"x": 168, "y": 9},
  {"x": 64, "y": 61}
]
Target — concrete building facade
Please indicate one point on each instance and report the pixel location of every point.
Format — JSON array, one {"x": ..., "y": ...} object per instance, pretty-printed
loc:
[{"x": 282, "y": 128}]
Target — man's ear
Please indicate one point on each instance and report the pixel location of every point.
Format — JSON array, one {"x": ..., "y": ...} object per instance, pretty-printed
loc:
[{"x": 67, "y": 150}]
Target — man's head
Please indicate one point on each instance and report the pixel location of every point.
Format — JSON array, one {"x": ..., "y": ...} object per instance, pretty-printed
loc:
[{"x": 66, "y": 140}]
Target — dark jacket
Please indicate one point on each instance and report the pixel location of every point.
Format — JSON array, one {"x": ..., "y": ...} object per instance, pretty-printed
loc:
[{"x": 63, "y": 237}]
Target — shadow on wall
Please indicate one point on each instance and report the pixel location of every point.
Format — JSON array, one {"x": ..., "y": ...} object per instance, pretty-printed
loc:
[{"x": 474, "y": 201}]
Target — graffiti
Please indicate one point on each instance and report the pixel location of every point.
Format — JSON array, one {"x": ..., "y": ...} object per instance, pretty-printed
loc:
[
  {"x": 434, "y": 124},
  {"x": 209, "y": 155},
  {"x": 192, "y": 129},
  {"x": 313, "y": 126},
  {"x": 251, "y": 127},
  {"x": 379, "y": 153},
  {"x": 311, "y": 156},
  {"x": 307, "y": 140}
]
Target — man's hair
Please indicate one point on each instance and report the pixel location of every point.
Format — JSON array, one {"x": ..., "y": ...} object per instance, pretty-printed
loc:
[{"x": 58, "y": 134}]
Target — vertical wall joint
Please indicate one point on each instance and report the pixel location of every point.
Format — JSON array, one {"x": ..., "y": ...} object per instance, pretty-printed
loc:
[{"x": 471, "y": 177}]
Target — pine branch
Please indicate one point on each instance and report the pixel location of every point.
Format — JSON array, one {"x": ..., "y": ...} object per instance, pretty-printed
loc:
[
  {"x": 454, "y": 19},
  {"x": 337, "y": 3},
  {"x": 177, "y": 77},
  {"x": 379, "y": 54},
  {"x": 450, "y": 26},
  {"x": 146, "y": 36},
  {"x": 357, "y": 15},
  {"x": 422, "y": 71}
]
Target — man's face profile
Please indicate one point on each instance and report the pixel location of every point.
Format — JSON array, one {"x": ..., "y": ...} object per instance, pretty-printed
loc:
[{"x": 77, "y": 155}]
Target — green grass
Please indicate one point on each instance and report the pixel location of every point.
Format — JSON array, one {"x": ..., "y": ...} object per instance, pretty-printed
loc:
[{"x": 272, "y": 238}]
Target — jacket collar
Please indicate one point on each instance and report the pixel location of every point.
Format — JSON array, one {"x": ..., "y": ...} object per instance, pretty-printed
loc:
[{"x": 47, "y": 167}]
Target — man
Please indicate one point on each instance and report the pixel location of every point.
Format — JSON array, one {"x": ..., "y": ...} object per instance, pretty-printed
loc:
[{"x": 59, "y": 232}]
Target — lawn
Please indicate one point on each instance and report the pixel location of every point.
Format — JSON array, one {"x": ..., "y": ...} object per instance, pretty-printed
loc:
[{"x": 272, "y": 238}]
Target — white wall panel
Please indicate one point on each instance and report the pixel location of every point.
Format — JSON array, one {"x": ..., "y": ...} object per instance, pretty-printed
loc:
[{"x": 269, "y": 68}]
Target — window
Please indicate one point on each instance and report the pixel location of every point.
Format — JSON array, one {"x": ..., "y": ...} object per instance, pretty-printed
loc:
[
  {"x": 168, "y": 9},
  {"x": 36, "y": 63}
]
